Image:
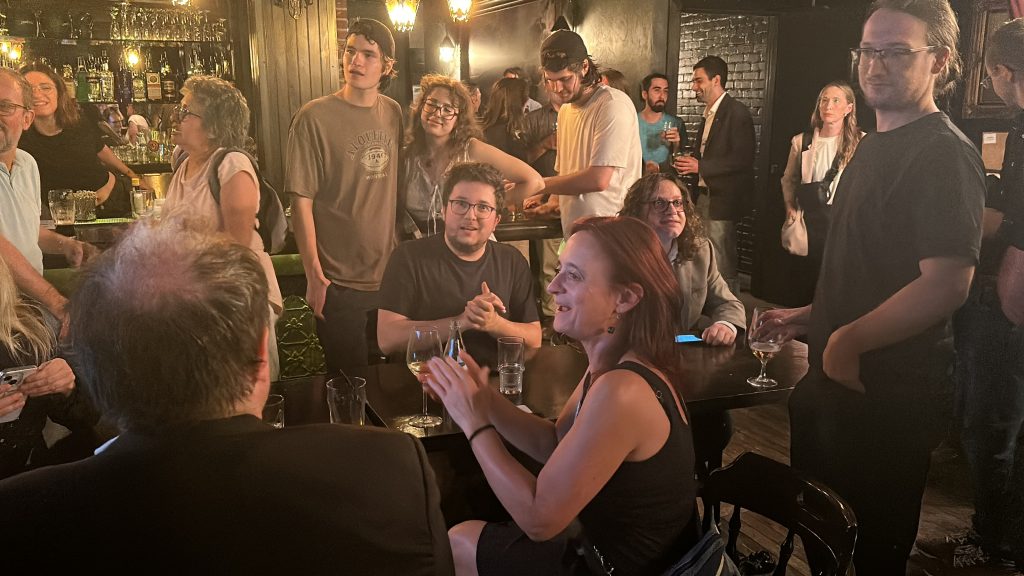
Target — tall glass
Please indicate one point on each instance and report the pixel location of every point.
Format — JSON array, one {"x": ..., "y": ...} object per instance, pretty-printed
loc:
[
  {"x": 764, "y": 349},
  {"x": 62, "y": 206},
  {"x": 424, "y": 344},
  {"x": 511, "y": 367}
]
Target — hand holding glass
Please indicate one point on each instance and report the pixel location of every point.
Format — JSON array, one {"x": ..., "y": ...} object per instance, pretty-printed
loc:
[
  {"x": 424, "y": 344},
  {"x": 762, "y": 347}
]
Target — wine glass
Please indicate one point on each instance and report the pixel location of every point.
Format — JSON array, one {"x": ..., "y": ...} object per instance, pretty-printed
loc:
[
  {"x": 763, "y": 349},
  {"x": 424, "y": 344}
]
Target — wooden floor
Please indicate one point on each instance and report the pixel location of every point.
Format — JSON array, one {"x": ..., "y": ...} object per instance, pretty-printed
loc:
[{"x": 947, "y": 508}]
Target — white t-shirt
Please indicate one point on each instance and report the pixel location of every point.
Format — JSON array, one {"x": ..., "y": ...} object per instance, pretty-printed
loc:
[
  {"x": 20, "y": 204},
  {"x": 139, "y": 121},
  {"x": 602, "y": 132}
]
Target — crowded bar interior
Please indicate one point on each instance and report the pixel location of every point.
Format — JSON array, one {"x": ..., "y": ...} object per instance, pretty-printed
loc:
[{"x": 512, "y": 286}]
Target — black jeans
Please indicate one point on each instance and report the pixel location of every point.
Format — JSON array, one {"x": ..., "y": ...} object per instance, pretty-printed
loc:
[
  {"x": 342, "y": 332},
  {"x": 874, "y": 451},
  {"x": 990, "y": 402}
]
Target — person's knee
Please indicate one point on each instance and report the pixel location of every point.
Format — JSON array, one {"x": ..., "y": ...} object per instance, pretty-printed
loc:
[{"x": 464, "y": 538}]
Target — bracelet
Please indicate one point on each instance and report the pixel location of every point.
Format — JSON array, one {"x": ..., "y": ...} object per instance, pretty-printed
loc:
[{"x": 479, "y": 430}]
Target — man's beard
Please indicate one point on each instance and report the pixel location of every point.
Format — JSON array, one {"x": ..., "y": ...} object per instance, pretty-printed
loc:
[{"x": 657, "y": 106}]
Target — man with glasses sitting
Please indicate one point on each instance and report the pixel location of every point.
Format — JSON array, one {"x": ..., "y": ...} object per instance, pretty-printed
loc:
[{"x": 461, "y": 275}]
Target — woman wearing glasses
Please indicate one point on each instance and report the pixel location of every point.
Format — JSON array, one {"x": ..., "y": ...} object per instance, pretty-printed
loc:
[
  {"x": 658, "y": 200},
  {"x": 69, "y": 150},
  {"x": 816, "y": 162},
  {"x": 442, "y": 132},
  {"x": 213, "y": 115}
]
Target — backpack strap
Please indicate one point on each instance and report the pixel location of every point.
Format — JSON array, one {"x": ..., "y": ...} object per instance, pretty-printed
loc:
[
  {"x": 807, "y": 138},
  {"x": 213, "y": 178}
]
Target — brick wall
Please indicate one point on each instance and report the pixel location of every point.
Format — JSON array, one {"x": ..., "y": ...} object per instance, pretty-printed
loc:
[
  {"x": 342, "y": 15},
  {"x": 740, "y": 40}
]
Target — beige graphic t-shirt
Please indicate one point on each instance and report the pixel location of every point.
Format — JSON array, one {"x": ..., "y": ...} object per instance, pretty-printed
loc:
[{"x": 345, "y": 158}]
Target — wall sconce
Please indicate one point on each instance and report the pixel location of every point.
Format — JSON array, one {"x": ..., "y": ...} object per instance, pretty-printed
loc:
[
  {"x": 132, "y": 56},
  {"x": 185, "y": 3},
  {"x": 447, "y": 50},
  {"x": 294, "y": 6},
  {"x": 459, "y": 9},
  {"x": 12, "y": 51},
  {"x": 402, "y": 14}
]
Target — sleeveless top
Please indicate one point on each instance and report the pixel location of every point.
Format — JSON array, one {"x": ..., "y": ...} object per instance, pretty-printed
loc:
[
  {"x": 423, "y": 200},
  {"x": 644, "y": 518}
]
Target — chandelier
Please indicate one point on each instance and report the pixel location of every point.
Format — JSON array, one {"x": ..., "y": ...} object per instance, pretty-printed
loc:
[
  {"x": 402, "y": 14},
  {"x": 459, "y": 9}
]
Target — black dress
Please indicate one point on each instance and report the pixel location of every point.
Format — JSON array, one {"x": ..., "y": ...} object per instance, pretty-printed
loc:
[{"x": 640, "y": 522}]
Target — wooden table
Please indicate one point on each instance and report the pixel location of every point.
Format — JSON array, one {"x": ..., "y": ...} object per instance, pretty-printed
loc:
[
  {"x": 528, "y": 229},
  {"x": 713, "y": 379}
]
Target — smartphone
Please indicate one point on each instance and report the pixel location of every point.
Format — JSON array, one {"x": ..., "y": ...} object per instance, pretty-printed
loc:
[
  {"x": 14, "y": 377},
  {"x": 686, "y": 338}
]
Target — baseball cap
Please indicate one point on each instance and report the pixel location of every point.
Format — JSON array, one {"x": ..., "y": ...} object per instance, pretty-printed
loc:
[
  {"x": 376, "y": 32},
  {"x": 562, "y": 49}
]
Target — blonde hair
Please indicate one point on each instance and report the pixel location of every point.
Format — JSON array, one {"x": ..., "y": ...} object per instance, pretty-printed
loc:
[
  {"x": 22, "y": 331},
  {"x": 850, "y": 136}
]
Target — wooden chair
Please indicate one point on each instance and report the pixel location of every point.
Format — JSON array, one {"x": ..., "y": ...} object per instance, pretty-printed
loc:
[{"x": 824, "y": 521}]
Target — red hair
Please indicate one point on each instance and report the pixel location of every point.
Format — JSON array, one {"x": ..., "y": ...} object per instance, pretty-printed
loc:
[{"x": 635, "y": 256}]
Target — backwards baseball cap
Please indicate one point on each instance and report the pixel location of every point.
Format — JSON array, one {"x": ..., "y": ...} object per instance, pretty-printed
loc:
[
  {"x": 562, "y": 49},
  {"x": 375, "y": 32}
]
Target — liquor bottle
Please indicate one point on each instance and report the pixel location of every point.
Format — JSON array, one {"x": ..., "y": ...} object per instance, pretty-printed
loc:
[
  {"x": 82, "y": 82},
  {"x": 138, "y": 86},
  {"x": 153, "y": 92},
  {"x": 93, "y": 79},
  {"x": 455, "y": 346},
  {"x": 168, "y": 81},
  {"x": 106, "y": 79},
  {"x": 67, "y": 74}
]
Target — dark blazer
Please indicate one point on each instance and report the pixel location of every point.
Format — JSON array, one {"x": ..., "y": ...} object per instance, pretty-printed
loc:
[
  {"x": 232, "y": 496},
  {"x": 727, "y": 164}
]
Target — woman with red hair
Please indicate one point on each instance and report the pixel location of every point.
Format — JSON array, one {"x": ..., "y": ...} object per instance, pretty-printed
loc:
[{"x": 620, "y": 455}]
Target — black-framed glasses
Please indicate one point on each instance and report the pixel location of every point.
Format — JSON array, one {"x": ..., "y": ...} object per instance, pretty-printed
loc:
[
  {"x": 8, "y": 108},
  {"x": 461, "y": 207},
  {"x": 885, "y": 56},
  {"x": 181, "y": 112},
  {"x": 662, "y": 205},
  {"x": 446, "y": 111}
]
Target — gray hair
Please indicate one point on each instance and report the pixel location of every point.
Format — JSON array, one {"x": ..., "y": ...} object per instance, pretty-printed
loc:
[
  {"x": 19, "y": 80},
  {"x": 1006, "y": 46},
  {"x": 943, "y": 32},
  {"x": 225, "y": 112},
  {"x": 166, "y": 326}
]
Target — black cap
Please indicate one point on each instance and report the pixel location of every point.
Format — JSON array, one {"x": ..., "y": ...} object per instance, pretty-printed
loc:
[
  {"x": 376, "y": 32},
  {"x": 562, "y": 49}
]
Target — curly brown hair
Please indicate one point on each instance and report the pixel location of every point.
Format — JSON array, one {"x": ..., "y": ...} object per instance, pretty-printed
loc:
[
  {"x": 636, "y": 205},
  {"x": 465, "y": 122}
]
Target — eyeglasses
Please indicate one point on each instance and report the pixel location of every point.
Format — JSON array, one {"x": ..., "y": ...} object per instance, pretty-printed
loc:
[
  {"x": 446, "y": 111},
  {"x": 461, "y": 207},
  {"x": 181, "y": 112},
  {"x": 885, "y": 56},
  {"x": 44, "y": 88},
  {"x": 8, "y": 108},
  {"x": 661, "y": 205}
]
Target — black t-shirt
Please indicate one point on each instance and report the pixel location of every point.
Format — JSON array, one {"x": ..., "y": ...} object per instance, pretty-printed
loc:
[
  {"x": 908, "y": 194},
  {"x": 68, "y": 159},
  {"x": 1012, "y": 201},
  {"x": 540, "y": 124},
  {"x": 499, "y": 137},
  {"x": 425, "y": 281}
]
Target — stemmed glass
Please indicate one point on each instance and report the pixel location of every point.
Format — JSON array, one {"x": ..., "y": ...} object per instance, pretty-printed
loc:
[
  {"x": 762, "y": 348},
  {"x": 424, "y": 344}
]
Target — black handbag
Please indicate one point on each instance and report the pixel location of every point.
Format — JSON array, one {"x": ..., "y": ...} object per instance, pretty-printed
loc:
[{"x": 813, "y": 199}]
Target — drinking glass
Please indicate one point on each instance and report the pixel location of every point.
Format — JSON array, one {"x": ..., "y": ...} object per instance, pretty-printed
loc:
[
  {"x": 62, "y": 206},
  {"x": 764, "y": 349},
  {"x": 85, "y": 205},
  {"x": 424, "y": 344},
  {"x": 273, "y": 411},
  {"x": 511, "y": 367},
  {"x": 346, "y": 400}
]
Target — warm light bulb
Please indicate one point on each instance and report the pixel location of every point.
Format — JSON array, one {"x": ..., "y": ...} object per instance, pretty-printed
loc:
[
  {"x": 403, "y": 14},
  {"x": 446, "y": 52},
  {"x": 14, "y": 53},
  {"x": 459, "y": 9},
  {"x": 132, "y": 57},
  {"x": 4, "y": 47}
]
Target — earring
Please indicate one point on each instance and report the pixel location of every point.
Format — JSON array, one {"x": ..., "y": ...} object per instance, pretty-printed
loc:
[{"x": 611, "y": 329}]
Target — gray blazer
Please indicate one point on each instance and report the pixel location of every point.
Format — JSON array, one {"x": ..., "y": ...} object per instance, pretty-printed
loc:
[{"x": 705, "y": 292}]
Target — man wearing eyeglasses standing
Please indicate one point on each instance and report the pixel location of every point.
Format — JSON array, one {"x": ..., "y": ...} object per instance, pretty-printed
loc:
[
  {"x": 599, "y": 155},
  {"x": 898, "y": 262},
  {"x": 461, "y": 275},
  {"x": 342, "y": 173},
  {"x": 989, "y": 341}
]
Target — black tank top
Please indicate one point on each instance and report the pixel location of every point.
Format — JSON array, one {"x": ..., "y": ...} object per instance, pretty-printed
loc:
[{"x": 643, "y": 519}]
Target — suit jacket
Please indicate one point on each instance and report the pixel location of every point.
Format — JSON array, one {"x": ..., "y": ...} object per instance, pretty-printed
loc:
[
  {"x": 230, "y": 496},
  {"x": 705, "y": 292},
  {"x": 727, "y": 164}
]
